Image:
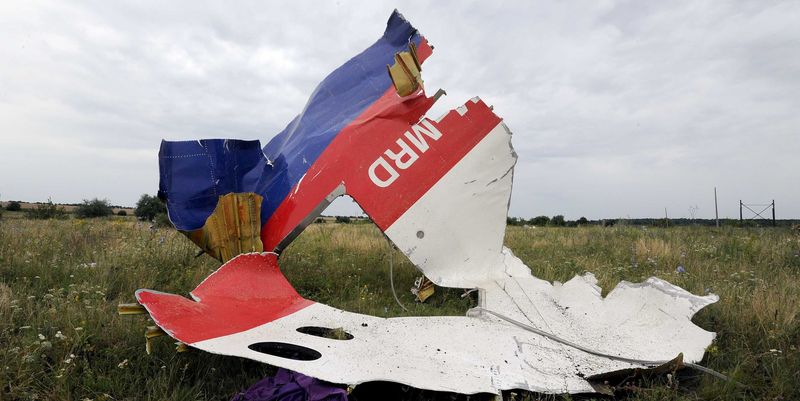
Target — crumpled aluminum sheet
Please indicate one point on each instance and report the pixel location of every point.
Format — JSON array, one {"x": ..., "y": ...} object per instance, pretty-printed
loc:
[
  {"x": 461, "y": 219},
  {"x": 439, "y": 189}
]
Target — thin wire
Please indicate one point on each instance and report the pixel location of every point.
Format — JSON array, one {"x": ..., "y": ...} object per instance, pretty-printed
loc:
[
  {"x": 391, "y": 277},
  {"x": 601, "y": 354}
]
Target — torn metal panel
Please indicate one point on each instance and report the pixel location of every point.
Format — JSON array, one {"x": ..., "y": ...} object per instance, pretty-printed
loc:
[
  {"x": 405, "y": 72},
  {"x": 303, "y": 164},
  {"x": 233, "y": 227},
  {"x": 461, "y": 213},
  {"x": 422, "y": 289},
  {"x": 439, "y": 190},
  {"x": 249, "y": 291},
  {"x": 194, "y": 174},
  {"x": 465, "y": 211},
  {"x": 469, "y": 354}
]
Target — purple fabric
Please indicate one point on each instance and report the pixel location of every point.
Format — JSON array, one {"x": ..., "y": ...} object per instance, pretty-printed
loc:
[{"x": 288, "y": 385}]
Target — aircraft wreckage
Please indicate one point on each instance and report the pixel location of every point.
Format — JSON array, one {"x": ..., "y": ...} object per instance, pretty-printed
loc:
[{"x": 439, "y": 189}]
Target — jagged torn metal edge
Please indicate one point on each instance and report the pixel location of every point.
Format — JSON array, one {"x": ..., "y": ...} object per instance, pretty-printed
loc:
[{"x": 464, "y": 337}]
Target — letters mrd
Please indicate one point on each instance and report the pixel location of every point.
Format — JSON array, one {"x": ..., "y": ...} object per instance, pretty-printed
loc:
[{"x": 388, "y": 166}]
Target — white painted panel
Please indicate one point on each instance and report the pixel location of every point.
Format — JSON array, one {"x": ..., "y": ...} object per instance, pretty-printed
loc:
[
  {"x": 454, "y": 233},
  {"x": 482, "y": 353}
]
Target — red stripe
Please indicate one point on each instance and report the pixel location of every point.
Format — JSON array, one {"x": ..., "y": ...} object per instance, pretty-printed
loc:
[
  {"x": 358, "y": 145},
  {"x": 246, "y": 292},
  {"x": 459, "y": 135}
]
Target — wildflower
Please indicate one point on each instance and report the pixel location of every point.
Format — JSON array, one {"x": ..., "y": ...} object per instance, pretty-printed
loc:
[
  {"x": 79, "y": 329},
  {"x": 41, "y": 336},
  {"x": 60, "y": 336},
  {"x": 46, "y": 345},
  {"x": 680, "y": 269}
]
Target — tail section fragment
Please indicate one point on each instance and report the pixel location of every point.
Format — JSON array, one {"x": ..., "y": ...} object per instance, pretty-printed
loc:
[{"x": 439, "y": 189}]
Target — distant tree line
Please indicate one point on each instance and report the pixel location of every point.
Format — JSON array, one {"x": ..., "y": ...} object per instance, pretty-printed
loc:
[
  {"x": 540, "y": 221},
  {"x": 93, "y": 208},
  {"x": 151, "y": 208},
  {"x": 46, "y": 210},
  {"x": 148, "y": 208},
  {"x": 345, "y": 219},
  {"x": 559, "y": 221}
]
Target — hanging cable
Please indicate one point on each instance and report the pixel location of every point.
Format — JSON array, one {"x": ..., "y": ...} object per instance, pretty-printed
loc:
[{"x": 391, "y": 277}]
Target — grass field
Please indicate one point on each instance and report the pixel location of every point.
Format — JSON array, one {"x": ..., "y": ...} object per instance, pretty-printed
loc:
[{"x": 60, "y": 282}]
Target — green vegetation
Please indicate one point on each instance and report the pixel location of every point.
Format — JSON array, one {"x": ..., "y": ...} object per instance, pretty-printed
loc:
[
  {"x": 93, "y": 208},
  {"x": 14, "y": 206},
  {"x": 45, "y": 211},
  {"x": 148, "y": 207},
  {"x": 60, "y": 282}
]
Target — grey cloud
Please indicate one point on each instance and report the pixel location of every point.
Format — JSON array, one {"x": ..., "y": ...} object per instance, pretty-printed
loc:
[{"x": 619, "y": 108}]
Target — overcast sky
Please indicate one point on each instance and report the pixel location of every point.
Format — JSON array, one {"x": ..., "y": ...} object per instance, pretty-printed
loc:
[{"x": 619, "y": 109}]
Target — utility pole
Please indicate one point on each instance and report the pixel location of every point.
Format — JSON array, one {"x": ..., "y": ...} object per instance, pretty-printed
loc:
[
  {"x": 773, "y": 213},
  {"x": 716, "y": 210},
  {"x": 740, "y": 211}
]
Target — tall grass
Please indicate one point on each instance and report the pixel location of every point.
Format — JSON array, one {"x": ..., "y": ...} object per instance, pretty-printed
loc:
[{"x": 60, "y": 282}]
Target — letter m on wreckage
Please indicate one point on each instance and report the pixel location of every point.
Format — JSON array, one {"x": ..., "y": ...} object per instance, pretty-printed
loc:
[{"x": 439, "y": 189}]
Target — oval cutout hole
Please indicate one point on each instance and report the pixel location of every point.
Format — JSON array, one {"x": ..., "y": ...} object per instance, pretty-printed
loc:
[
  {"x": 284, "y": 350},
  {"x": 324, "y": 332}
]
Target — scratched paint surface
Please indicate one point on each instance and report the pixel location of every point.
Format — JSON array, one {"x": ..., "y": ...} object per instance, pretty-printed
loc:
[{"x": 439, "y": 189}]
